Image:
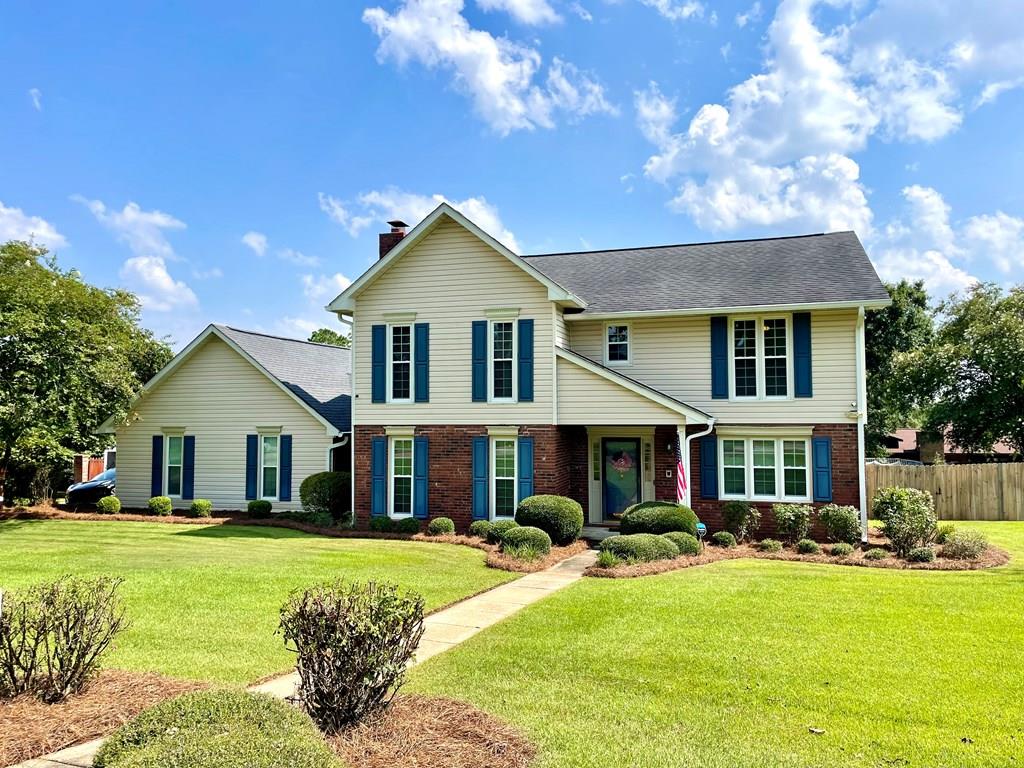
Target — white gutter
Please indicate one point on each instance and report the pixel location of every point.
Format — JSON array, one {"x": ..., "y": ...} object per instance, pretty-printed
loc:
[
  {"x": 862, "y": 415},
  {"x": 686, "y": 458},
  {"x": 859, "y": 305}
]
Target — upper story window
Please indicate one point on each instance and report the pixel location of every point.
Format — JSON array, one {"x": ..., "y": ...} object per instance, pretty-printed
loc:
[
  {"x": 503, "y": 357},
  {"x": 616, "y": 345},
  {"x": 172, "y": 468},
  {"x": 761, "y": 358},
  {"x": 400, "y": 363}
]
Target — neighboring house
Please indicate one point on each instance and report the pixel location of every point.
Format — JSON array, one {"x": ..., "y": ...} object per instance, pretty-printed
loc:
[
  {"x": 919, "y": 445},
  {"x": 481, "y": 377},
  {"x": 236, "y": 416}
]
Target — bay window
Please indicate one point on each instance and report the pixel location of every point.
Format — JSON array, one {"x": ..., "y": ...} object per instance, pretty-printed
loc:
[{"x": 764, "y": 469}]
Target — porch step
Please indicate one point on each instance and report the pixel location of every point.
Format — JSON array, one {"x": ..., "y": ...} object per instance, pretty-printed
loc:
[{"x": 598, "y": 532}]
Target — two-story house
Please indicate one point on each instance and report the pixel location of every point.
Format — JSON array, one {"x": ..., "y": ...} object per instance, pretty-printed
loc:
[{"x": 706, "y": 372}]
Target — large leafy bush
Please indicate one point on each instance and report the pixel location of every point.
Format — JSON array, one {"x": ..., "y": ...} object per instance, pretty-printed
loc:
[
  {"x": 741, "y": 519},
  {"x": 909, "y": 517},
  {"x": 658, "y": 517},
  {"x": 328, "y": 493},
  {"x": 793, "y": 521},
  {"x": 840, "y": 523},
  {"x": 640, "y": 547},
  {"x": 560, "y": 517}
]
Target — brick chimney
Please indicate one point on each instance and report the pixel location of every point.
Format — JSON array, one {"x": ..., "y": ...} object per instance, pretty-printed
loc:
[{"x": 389, "y": 240}]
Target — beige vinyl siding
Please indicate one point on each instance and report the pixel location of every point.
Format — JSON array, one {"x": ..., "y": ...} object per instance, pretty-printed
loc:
[
  {"x": 673, "y": 355},
  {"x": 219, "y": 397},
  {"x": 449, "y": 279},
  {"x": 584, "y": 397}
]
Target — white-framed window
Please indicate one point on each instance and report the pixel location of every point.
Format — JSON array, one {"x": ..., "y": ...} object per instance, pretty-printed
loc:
[
  {"x": 504, "y": 488},
  {"x": 760, "y": 358},
  {"x": 174, "y": 458},
  {"x": 401, "y": 483},
  {"x": 269, "y": 466},
  {"x": 502, "y": 349},
  {"x": 764, "y": 468},
  {"x": 616, "y": 346},
  {"x": 400, "y": 349}
]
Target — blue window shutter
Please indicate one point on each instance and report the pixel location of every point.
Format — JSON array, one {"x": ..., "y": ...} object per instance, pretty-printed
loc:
[
  {"x": 284, "y": 486},
  {"x": 252, "y": 458},
  {"x": 479, "y": 361},
  {"x": 188, "y": 467},
  {"x": 802, "y": 354},
  {"x": 525, "y": 361},
  {"x": 821, "y": 450},
  {"x": 422, "y": 347},
  {"x": 378, "y": 364},
  {"x": 378, "y": 475},
  {"x": 480, "y": 490},
  {"x": 420, "y": 473},
  {"x": 525, "y": 467},
  {"x": 719, "y": 358},
  {"x": 156, "y": 481},
  {"x": 709, "y": 467}
]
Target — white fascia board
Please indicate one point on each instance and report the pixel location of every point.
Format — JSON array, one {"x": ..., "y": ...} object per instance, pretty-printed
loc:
[{"x": 877, "y": 304}]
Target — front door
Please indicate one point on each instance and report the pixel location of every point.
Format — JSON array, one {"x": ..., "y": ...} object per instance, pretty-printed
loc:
[{"x": 620, "y": 458}]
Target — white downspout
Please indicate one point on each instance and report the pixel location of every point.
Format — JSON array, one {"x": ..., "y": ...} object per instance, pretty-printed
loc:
[
  {"x": 332, "y": 446},
  {"x": 862, "y": 415},
  {"x": 687, "y": 439}
]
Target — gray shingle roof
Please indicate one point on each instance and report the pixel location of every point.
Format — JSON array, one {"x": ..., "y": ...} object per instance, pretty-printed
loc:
[
  {"x": 319, "y": 374},
  {"x": 740, "y": 273}
]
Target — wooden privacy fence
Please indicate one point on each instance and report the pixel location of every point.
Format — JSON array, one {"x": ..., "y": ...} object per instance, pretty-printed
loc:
[{"x": 961, "y": 491}]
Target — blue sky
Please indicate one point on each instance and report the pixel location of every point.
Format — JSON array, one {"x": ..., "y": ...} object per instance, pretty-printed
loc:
[{"x": 234, "y": 162}]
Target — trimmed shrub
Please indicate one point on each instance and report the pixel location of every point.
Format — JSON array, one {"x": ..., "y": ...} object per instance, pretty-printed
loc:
[
  {"x": 808, "y": 547},
  {"x": 480, "y": 528},
  {"x": 381, "y": 524},
  {"x": 943, "y": 532},
  {"x": 608, "y": 559},
  {"x": 640, "y": 547},
  {"x": 218, "y": 729},
  {"x": 658, "y": 517},
  {"x": 408, "y": 525},
  {"x": 498, "y": 530},
  {"x": 440, "y": 526},
  {"x": 352, "y": 642},
  {"x": 793, "y": 521},
  {"x": 770, "y": 545},
  {"x": 921, "y": 555},
  {"x": 965, "y": 544},
  {"x": 259, "y": 509},
  {"x": 328, "y": 493},
  {"x": 741, "y": 519},
  {"x": 305, "y": 516},
  {"x": 560, "y": 517},
  {"x": 160, "y": 505},
  {"x": 841, "y": 523},
  {"x": 842, "y": 549},
  {"x": 723, "y": 539},
  {"x": 909, "y": 517},
  {"x": 526, "y": 536},
  {"x": 108, "y": 505},
  {"x": 200, "y": 508},
  {"x": 876, "y": 553},
  {"x": 52, "y": 635},
  {"x": 685, "y": 543}
]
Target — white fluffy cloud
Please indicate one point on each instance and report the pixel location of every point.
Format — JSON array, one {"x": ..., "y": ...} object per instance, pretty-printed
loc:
[
  {"x": 297, "y": 257},
  {"x": 501, "y": 77},
  {"x": 337, "y": 211},
  {"x": 256, "y": 241},
  {"x": 36, "y": 97},
  {"x": 321, "y": 289},
  {"x": 525, "y": 11},
  {"x": 752, "y": 14},
  {"x": 318, "y": 290},
  {"x": 157, "y": 290},
  {"x": 15, "y": 224},
  {"x": 999, "y": 237},
  {"x": 676, "y": 10}
]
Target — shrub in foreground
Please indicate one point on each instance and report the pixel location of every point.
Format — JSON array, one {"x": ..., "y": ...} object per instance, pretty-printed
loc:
[
  {"x": 608, "y": 559},
  {"x": 328, "y": 493},
  {"x": 259, "y": 509},
  {"x": 560, "y": 517},
  {"x": 408, "y": 525},
  {"x": 53, "y": 635},
  {"x": 808, "y": 547},
  {"x": 218, "y": 729},
  {"x": 480, "y": 528},
  {"x": 658, "y": 517},
  {"x": 876, "y": 553},
  {"x": 723, "y": 539},
  {"x": 770, "y": 545},
  {"x": 640, "y": 547},
  {"x": 498, "y": 530},
  {"x": 200, "y": 508},
  {"x": 921, "y": 555},
  {"x": 160, "y": 505},
  {"x": 909, "y": 517},
  {"x": 741, "y": 519},
  {"x": 440, "y": 526},
  {"x": 965, "y": 544},
  {"x": 352, "y": 643},
  {"x": 840, "y": 523},
  {"x": 685, "y": 543},
  {"x": 108, "y": 505},
  {"x": 842, "y": 549},
  {"x": 526, "y": 539},
  {"x": 793, "y": 521}
]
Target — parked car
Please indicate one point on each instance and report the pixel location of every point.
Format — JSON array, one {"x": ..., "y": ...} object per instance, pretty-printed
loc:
[{"x": 88, "y": 493}]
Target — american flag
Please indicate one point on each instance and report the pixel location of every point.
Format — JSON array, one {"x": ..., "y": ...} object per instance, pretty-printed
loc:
[{"x": 680, "y": 472}]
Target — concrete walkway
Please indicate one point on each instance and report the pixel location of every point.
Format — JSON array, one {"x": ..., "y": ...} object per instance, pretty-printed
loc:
[{"x": 443, "y": 630}]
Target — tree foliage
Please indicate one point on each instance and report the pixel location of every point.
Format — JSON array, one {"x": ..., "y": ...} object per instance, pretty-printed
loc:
[
  {"x": 329, "y": 336},
  {"x": 71, "y": 355}
]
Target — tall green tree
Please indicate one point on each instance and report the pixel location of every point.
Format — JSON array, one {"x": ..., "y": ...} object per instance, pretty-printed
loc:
[
  {"x": 330, "y": 336},
  {"x": 904, "y": 326},
  {"x": 71, "y": 355}
]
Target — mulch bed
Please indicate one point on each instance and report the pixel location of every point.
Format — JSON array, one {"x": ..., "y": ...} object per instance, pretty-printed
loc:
[
  {"x": 993, "y": 556},
  {"x": 433, "y": 732},
  {"x": 30, "y": 728},
  {"x": 497, "y": 559}
]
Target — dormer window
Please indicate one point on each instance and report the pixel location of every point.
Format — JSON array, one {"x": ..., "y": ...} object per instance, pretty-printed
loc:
[
  {"x": 760, "y": 352},
  {"x": 617, "y": 344}
]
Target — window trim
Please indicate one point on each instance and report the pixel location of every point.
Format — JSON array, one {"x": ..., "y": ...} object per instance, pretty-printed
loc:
[
  {"x": 392, "y": 441},
  {"x": 490, "y": 361},
  {"x": 493, "y": 474},
  {"x": 168, "y": 436},
  {"x": 629, "y": 345},
  {"x": 262, "y": 466},
  {"x": 780, "y": 495},
  {"x": 759, "y": 357},
  {"x": 389, "y": 375}
]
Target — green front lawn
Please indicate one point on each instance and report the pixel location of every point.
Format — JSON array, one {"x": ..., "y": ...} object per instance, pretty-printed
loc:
[
  {"x": 732, "y": 664},
  {"x": 204, "y": 600}
]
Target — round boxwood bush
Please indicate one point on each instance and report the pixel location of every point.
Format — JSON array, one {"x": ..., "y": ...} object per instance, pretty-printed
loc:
[
  {"x": 723, "y": 539},
  {"x": 921, "y": 555},
  {"x": 218, "y": 729},
  {"x": 160, "y": 505},
  {"x": 640, "y": 547},
  {"x": 480, "y": 528},
  {"x": 842, "y": 549},
  {"x": 560, "y": 517},
  {"x": 407, "y": 525},
  {"x": 808, "y": 547},
  {"x": 876, "y": 553},
  {"x": 498, "y": 530},
  {"x": 381, "y": 524},
  {"x": 964, "y": 544},
  {"x": 658, "y": 517},
  {"x": 526, "y": 536},
  {"x": 685, "y": 543},
  {"x": 108, "y": 505},
  {"x": 200, "y": 508},
  {"x": 440, "y": 526},
  {"x": 259, "y": 509},
  {"x": 840, "y": 523},
  {"x": 327, "y": 493},
  {"x": 770, "y": 545}
]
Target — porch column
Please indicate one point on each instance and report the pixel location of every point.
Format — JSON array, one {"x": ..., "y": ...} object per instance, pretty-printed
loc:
[{"x": 684, "y": 448}]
